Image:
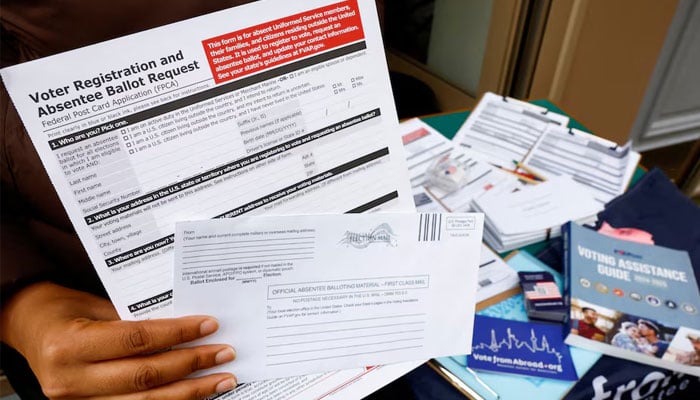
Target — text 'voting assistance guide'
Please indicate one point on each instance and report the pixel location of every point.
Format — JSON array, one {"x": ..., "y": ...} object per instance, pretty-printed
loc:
[
  {"x": 271, "y": 107},
  {"x": 302, "y": 294}
]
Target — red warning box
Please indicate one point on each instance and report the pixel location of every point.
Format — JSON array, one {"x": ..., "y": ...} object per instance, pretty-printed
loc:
[
  {"x": 267, "y": 45},
  {"x": 415, "y": 135}
]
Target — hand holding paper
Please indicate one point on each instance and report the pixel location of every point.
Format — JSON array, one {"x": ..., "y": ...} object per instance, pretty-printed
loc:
[
  {"x": 302, "y": 294},
  {"x": 273, "y": 136}
]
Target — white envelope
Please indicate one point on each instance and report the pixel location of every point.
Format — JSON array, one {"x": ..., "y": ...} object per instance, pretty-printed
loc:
[
  {"x": 539, "y": 207},
  {"x": 302, "y": 294}
]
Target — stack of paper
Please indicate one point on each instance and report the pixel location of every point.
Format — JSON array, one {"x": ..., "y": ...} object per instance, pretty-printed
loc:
[
  {"x": 423, "y": 145},
  {"x": 534, "y": 213},
  {"x": 495, "y": 276}
]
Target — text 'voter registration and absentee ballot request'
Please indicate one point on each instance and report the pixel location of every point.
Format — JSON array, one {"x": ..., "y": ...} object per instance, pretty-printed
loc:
[{"x": 271, "y": 107}]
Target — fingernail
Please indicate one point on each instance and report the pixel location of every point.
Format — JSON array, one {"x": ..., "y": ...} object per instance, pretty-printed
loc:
[
  {"x": 224, "y": 356},
  {"x": 208, "y": 327},
  {"x": 226, "y": 385}
]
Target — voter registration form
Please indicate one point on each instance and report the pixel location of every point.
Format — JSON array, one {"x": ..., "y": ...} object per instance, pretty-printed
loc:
[
  {"x": 311, "y": 293},
  {"x": 272, "y": 107}
]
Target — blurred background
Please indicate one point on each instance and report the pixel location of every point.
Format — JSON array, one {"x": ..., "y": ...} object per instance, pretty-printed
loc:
[{"x": 625, "y": 69}]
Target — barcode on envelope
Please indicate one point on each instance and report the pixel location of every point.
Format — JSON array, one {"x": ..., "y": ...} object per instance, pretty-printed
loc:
[{"x": 429, "y": 227}]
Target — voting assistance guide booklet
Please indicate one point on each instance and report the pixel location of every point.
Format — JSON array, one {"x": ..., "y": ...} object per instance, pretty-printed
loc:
[
  {"x": 631, "y": 300},
  {"x": 302, "y": 294}
]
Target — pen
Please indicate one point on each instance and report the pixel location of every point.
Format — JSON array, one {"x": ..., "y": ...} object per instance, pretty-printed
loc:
[
  {"x": 533, "y": 174},
  {"x": 523, "y": 177},
  {"x": 461, "y": 386},
  {"x": 482, "y": 383}
]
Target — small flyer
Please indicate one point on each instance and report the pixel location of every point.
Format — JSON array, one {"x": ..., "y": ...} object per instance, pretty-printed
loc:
[{"x": 523, "y": 348}]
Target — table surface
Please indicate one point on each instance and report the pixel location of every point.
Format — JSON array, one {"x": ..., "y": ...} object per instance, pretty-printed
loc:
[{"x": 448, "y": 124}]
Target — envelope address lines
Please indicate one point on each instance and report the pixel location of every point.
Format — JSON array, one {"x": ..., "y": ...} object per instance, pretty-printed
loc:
[
  {"x": 247, "y": 258},
  {"x": 312, "y": 342},
  {"x": 318, "y": 320}
]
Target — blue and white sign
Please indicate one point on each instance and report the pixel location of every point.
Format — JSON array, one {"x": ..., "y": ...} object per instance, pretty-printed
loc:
[{"x": 523, "y": 348}]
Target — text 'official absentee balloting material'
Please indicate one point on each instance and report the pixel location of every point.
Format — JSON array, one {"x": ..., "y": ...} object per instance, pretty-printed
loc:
[
  {"x": 272, "y": 107},
  {"x": 302, "y": 294}
]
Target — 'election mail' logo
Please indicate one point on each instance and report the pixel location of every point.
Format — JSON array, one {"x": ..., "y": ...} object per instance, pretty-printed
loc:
[{"x": 360, "y": 240}]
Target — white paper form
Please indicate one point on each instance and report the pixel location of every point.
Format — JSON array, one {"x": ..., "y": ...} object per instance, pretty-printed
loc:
[
  {"x": 271, "y": 107},
  {"x": 535, "y": 213},
  {"x": 599, "y": 164},
  {"x": 303, "y": 294},
  {"x": 504, "y": 129},
  {"x": 424, "y": 145}
]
